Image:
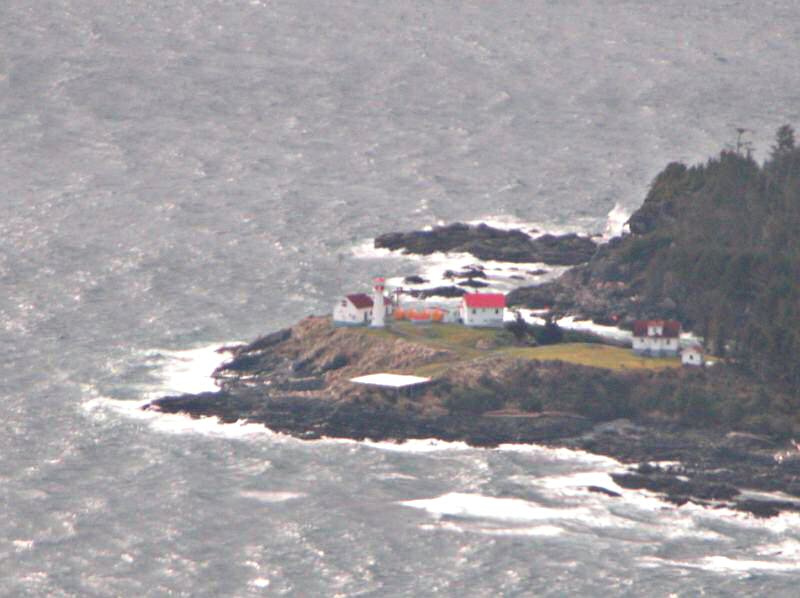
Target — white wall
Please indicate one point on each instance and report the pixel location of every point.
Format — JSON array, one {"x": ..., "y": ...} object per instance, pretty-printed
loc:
[
  {"x": 655, "y": 345},
  {"x": 476, "y": 316},
  {"x": 691, "y": 358},
  {"x": 345, "y": 312}
]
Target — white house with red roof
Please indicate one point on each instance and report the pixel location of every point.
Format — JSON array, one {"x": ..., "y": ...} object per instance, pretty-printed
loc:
[
  {"x": 353, "y": 310},
  {"x": 656, "y": 338},
  {"x": 357, "y": 309},
  {"x": 483, "y": 309}
]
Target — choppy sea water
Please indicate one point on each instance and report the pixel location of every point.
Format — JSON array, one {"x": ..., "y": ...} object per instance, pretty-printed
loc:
[{"x": 181, "y": 175}]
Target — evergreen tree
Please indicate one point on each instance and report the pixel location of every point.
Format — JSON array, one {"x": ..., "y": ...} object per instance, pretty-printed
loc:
[{"x": 784, "y": 141}]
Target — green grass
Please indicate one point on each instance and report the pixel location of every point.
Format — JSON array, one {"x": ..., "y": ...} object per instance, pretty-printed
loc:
[
  {"x": 594, "y": 355},
  {"x": 455, "y": 337},
  {"x": 462, "y": 341}
]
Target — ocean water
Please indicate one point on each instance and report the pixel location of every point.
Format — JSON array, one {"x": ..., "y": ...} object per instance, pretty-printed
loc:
[{"x": 183, "y": 174}]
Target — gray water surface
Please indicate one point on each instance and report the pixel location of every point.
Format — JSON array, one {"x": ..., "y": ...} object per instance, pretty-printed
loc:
[{"x": 177, "y": 175}]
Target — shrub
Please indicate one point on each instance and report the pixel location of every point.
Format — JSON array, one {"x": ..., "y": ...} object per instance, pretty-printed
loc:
[
  {"x": 475, "y": 401},
  {"x": 549, "y": 334},
  {"x": 532, "y": 402}
]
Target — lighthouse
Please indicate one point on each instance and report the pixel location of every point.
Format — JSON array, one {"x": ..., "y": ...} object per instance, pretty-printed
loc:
[{"x": 378, "y": 304}]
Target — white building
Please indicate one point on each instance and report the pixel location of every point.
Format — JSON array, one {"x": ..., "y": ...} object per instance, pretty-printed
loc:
[
  {"x": 353, "y": 310},
  {"x": 483, "y": 309},
  {"x": 692, "y": 355},
  {"x": 656, "y": 338},
  {"x": 358, "y": 309}
]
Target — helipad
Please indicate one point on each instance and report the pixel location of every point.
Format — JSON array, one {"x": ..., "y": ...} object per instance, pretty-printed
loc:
[{"x": 391, "y": 380}]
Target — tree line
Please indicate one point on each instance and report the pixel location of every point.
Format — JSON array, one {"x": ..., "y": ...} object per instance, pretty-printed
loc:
[{"x": 720, "y": 240}]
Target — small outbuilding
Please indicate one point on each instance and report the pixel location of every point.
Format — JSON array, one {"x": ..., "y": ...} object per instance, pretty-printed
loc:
[
  {"x": 401, "y": 383},
  {"x": 692, "y": 355},
  {"x": 483, "y": 309},
  {"x": 656, "y": 338}
]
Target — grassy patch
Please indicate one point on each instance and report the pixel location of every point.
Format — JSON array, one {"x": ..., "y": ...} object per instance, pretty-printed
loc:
[
  {"x": 455, "y": 337},
  {"x": 463, "y": 341},
  {"x": 594, "y": 355}
]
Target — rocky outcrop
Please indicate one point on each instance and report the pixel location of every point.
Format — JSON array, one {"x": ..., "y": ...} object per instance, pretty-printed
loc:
[
  {"x": 606, "y": 290},
  {"x": 709, "y": 467},
  {"x": 444, "y": 292},
  {"x": 487, "y": 243},
  {"x": 297, "y": 381}
]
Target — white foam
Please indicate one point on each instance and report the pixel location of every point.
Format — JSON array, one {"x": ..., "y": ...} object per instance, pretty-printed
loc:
[
  {"x": 23, "y": 545},
  {"x": 616, "y": 224},
  {"x": 175, "y": 423},
  {"x": 723, "y": 564},
  {"x": 188, "y": 371},
  {"x": 99, "y": 408},
  {"x": 542, "y": 531},
  {"x": 506, "y": 222},
  {"x": 649, "y": 504},
  {"x": 458, "y": 504},
  {"x": 580, "y": 481},
  {"x": 786, "y": 549},
  {"x": 395, "y": 476},
  {"x": 366, "y": 250},
  {"x": 271, "y": 497},
  {"x": 562, "y": 454},
  {"x": 259, "y": 582},
  {"x": 418, "y": 446}
]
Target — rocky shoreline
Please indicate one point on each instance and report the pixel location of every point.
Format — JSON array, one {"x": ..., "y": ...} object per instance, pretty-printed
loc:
[
  {"x": 296, "y": 381},
  {"x": 487, "y": 243}
]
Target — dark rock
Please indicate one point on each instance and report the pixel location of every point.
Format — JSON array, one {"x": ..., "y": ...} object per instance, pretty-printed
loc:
[
  {"x": 475, "y": 284},
  {"x": 647, "y": 468},
  {"x": 468, "y": 273},
  {"x": 487, "y": 243},
  {"x": 265, "y": 342},
  {"x": 601, "y": 490},
  {"x": 298, "y": 385},
  {"x": 242, "y": 363},
  {"x": 765, "y": 508},
  {"x": 414, "y": 279},
  {"x": 674, "y": 486},
  {"x": 536, "y": 297},
  {"x": 303, "y": 366},
  {"x": 336, "y": 362},
  {"x": 449, "y": 292}
]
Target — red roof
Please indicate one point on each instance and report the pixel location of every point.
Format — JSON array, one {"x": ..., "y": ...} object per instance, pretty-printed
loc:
[
  {"x": 485, "y": 300},
  {"x": 671, "y": 328},
  {"x": 364, "y": 301},
  {"x": 360, "y": 300}
]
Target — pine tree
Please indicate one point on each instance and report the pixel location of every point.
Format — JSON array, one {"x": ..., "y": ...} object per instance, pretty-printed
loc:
[{"x": 784, "y": 141}]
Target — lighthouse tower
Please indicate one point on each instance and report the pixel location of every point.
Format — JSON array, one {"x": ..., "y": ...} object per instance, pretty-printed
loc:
[{"x": 378, "y": 304}]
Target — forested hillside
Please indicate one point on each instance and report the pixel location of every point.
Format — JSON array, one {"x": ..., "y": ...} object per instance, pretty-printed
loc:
[{"x": 719, "y": 241}]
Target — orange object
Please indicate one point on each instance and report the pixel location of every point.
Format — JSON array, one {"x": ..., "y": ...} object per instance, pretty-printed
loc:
[
  {"x": 399, "y": 313},
  {"x": 419, "y": 316},
  {"x": 437, "y": 315}
]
